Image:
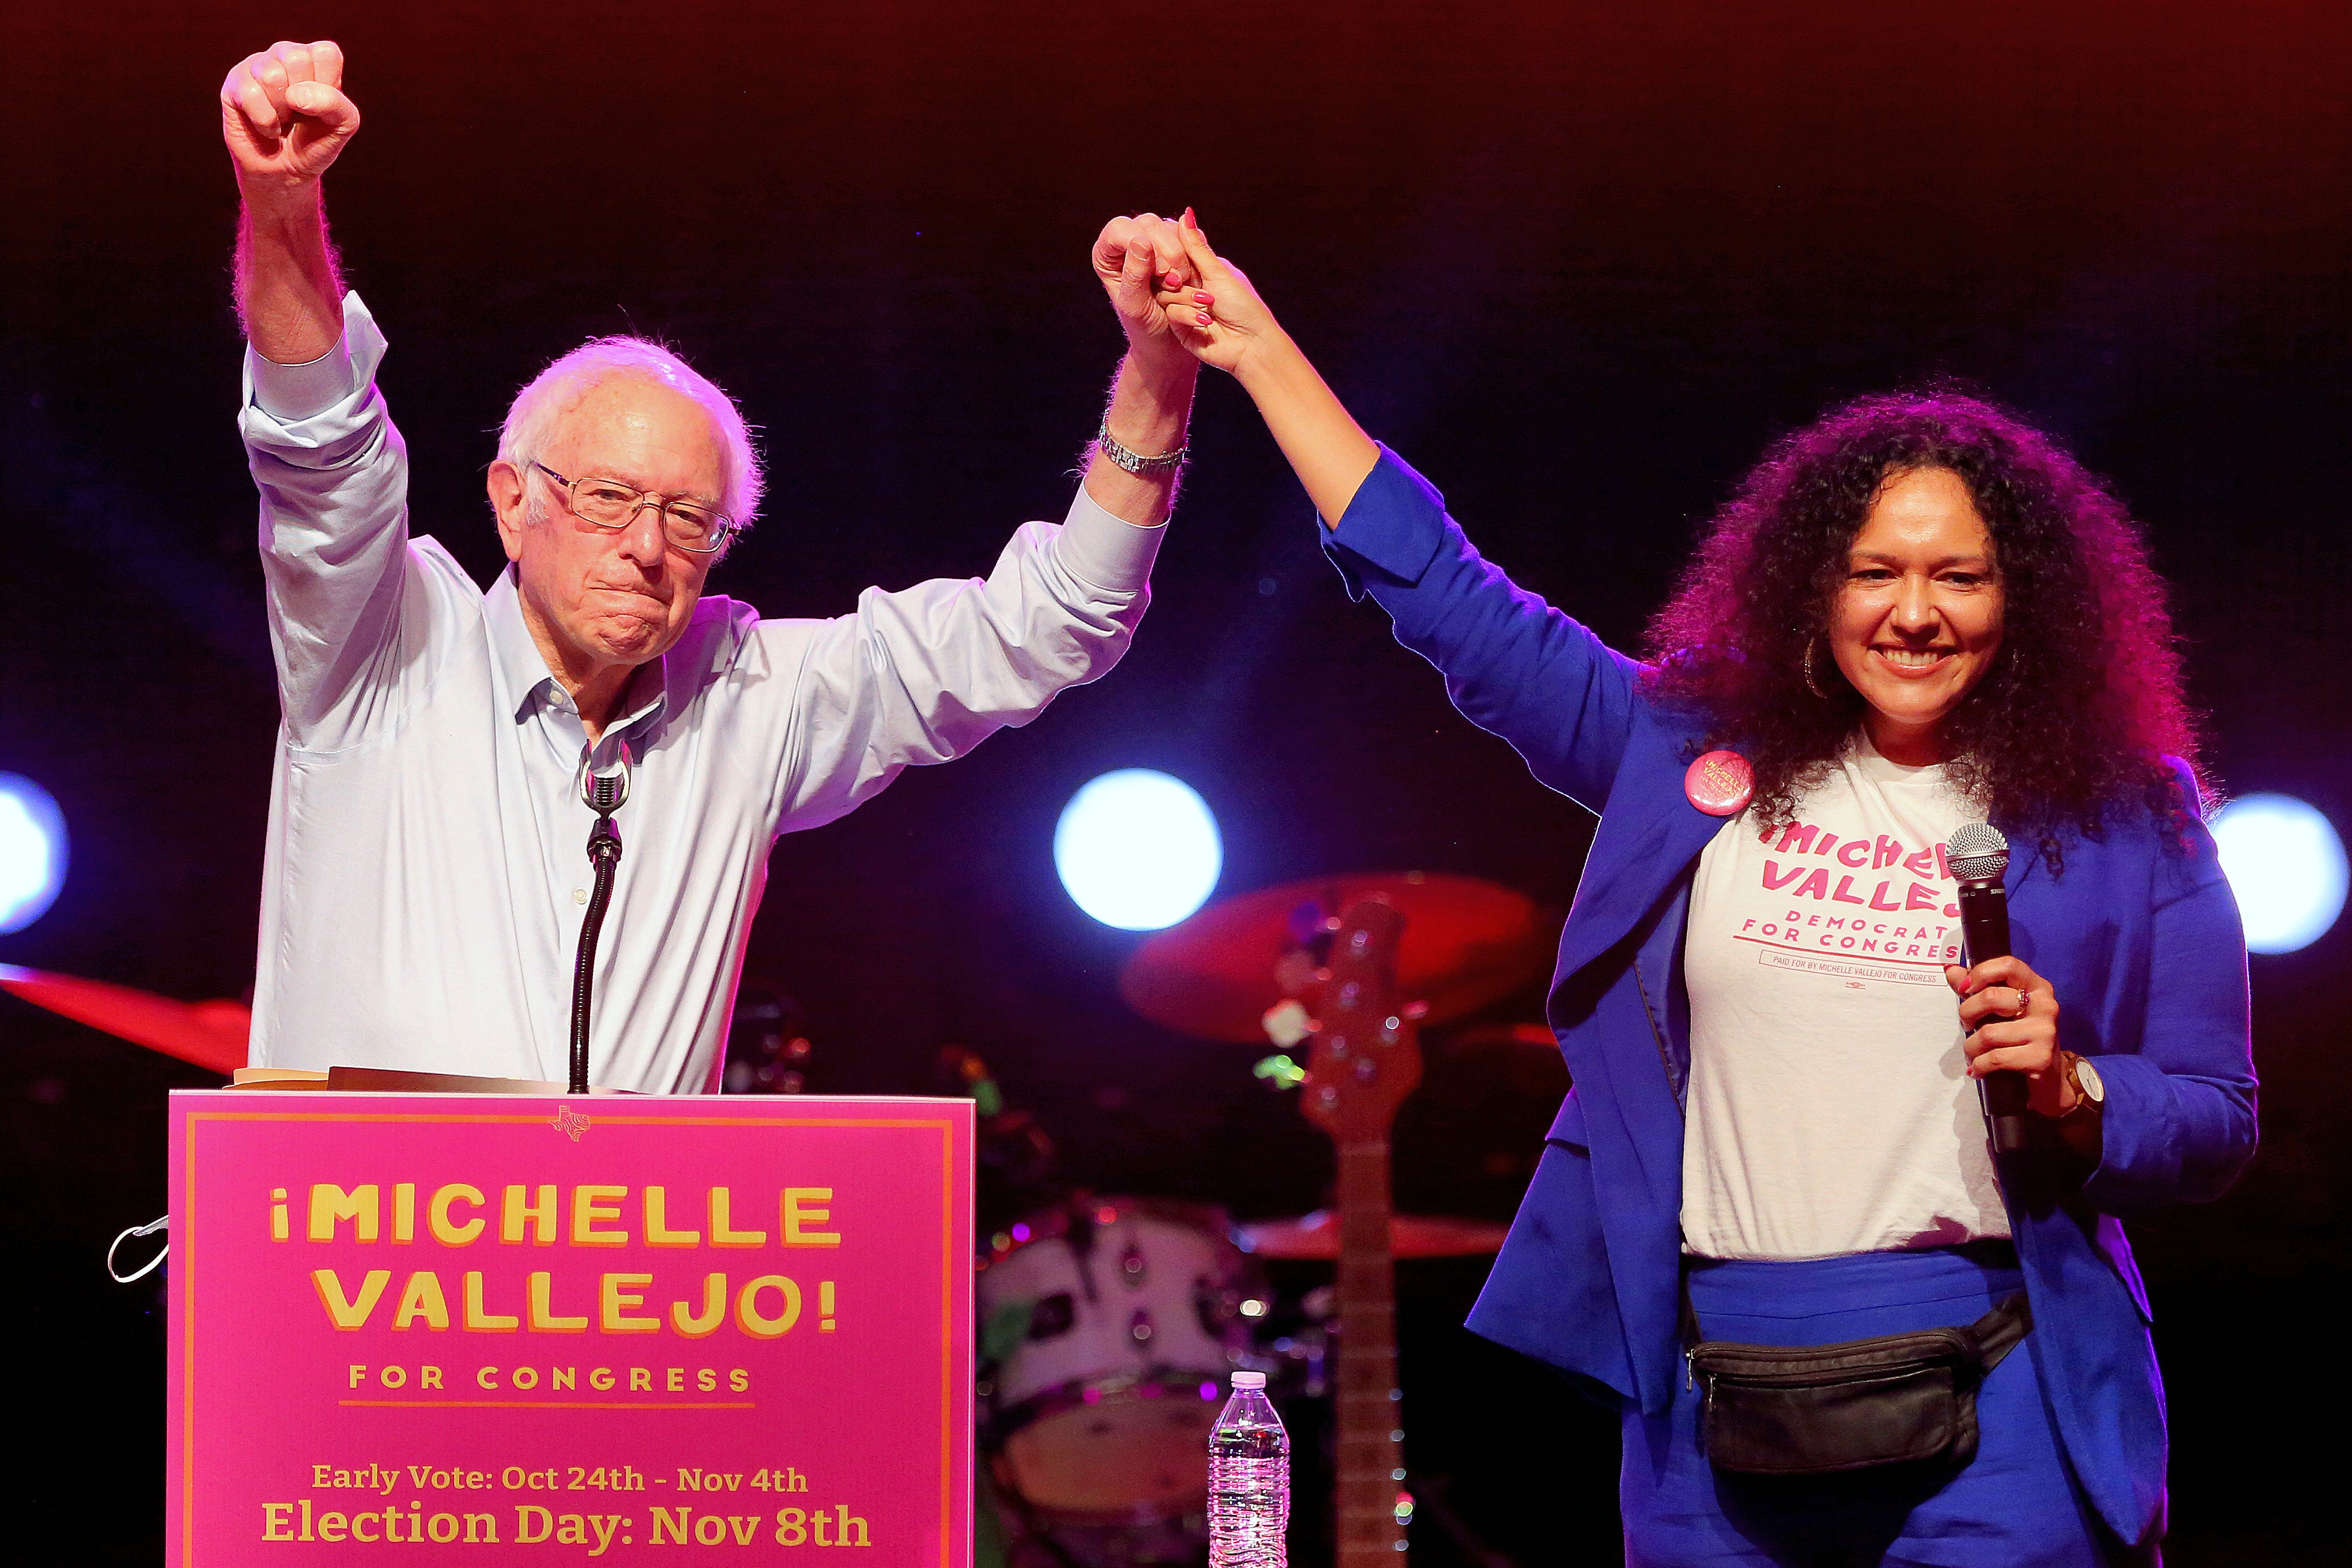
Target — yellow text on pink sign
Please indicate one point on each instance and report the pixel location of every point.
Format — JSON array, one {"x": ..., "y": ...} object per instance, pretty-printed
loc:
[{"x": 502, "y": 1321}]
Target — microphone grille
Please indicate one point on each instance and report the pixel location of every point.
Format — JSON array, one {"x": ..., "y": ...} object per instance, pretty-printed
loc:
[
  {"x": 1977, "y": 852},
  {"x": 605, "y": 791}
]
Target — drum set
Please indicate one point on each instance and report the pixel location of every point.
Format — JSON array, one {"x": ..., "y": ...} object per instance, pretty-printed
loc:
[{"x": 1109, "y": 1325}]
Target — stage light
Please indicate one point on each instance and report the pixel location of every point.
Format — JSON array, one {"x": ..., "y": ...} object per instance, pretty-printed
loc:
[
  {"x": 1137, "y": 850},
  {"x": 32, "y": 851},
  {"x": 2286, "y": 866}
]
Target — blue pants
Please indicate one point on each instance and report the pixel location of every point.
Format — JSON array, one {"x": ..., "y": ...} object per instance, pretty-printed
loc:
[{"x": 2013, "y": 1506}]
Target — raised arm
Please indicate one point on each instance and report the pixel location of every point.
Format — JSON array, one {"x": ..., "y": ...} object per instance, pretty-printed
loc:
[
  {"x": 1513, "y": 664},
  {"x": 286, "y": 120},
  {"x": 1151, "y": 397},
  {"x": 928, "y": 673},
  {"x": 925, "y": 673},
  {"x": 331, "y": 469},
  {"x": 1221, "y": 319}
]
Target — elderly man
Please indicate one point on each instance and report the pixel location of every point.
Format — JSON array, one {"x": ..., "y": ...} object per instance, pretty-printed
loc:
[{"x": 426, "y": 881}]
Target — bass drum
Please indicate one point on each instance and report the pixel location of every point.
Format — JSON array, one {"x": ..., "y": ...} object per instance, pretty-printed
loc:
[{"x": 1108, "y": 1327}]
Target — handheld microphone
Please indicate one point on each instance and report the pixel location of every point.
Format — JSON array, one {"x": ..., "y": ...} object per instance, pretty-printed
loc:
[{"x": 1979, "y": 858}]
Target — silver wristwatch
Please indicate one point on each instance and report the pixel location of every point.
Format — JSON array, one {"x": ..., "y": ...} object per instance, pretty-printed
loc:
[{"x": 1136, "y": 461}]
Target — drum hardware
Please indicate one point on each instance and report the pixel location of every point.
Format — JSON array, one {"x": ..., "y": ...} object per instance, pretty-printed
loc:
[
  {"x": 1110, "y": 1325},
  {"x": 1535, "y": 1036},
  {"x": 1467, "y": 945},
  {"x": 1011, "y": 1148},
  {"x": 1488, "y": 1100},
  {"x": 1300, "y": 1347},
  {"x": 767, "y": 1053},
  {"x": 1345, "y": 955},
  {"x": 1410, "y": 1236}
]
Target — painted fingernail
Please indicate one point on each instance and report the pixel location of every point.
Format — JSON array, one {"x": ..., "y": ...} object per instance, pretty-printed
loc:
[
  {"x": 1205, "y": 318},
  {"x": 1199, "y": 298},
  {"x": 1189, "y": 221}
]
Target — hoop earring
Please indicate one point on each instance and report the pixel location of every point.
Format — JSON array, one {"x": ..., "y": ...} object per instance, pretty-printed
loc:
[{"x": 1811, "y": 683}]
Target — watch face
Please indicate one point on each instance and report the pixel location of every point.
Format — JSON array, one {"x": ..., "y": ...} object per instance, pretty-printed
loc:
[{"x": 2088, "y": 1077}]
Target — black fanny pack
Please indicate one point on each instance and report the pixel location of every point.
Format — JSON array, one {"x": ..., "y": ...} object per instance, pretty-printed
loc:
[{"x": 1792, "y": 1410}]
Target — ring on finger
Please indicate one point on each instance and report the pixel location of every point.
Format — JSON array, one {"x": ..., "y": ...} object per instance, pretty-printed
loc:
[{"x": 2023, "y": 1002}]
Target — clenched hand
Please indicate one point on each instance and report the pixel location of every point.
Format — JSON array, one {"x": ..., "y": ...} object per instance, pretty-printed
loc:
[
  {"x": 284, "y": 115},
  {"x": 1135, "y": 259}
]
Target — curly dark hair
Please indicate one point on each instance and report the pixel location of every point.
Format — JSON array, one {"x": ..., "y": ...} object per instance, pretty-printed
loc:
[{"x": 2072, "y": 723}]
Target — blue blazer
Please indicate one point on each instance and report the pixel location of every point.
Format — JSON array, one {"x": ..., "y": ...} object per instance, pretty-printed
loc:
[{"x": 2140, "y": 941}]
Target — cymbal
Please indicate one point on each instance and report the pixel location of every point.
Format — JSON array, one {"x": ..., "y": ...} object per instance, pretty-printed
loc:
[
  {"x": 1316, "y": 1234},
  {"x": 1467, "y": 943},
  {"x": 1530, "y": 1036},
  {"x": 210, "y": 1034}
]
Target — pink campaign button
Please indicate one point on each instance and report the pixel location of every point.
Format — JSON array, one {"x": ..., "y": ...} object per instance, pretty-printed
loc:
[{"x": 1719, "y": 783}]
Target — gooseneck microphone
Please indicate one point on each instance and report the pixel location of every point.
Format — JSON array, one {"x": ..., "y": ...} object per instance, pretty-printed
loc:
[
  {"x": 604, "y": 793},
  {"x": 1979, "y": 858}
]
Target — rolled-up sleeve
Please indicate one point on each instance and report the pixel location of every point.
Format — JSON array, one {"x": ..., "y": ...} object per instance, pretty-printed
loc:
[
  {"x": 925, "y": 673},
  {"x": 334, "y": 476},
  {"x": 290, "y": 394},
  {"x": 1098, "y": 548}
]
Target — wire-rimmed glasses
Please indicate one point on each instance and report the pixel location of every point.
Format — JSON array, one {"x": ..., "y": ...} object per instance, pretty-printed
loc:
[{"x": 609, "y": 504}]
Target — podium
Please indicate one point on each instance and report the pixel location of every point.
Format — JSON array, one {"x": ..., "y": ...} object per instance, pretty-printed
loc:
[{"x": 524, "y": 1327}]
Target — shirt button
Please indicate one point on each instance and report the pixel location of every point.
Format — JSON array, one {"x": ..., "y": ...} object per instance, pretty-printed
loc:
[{"x": 579, "y": 896}]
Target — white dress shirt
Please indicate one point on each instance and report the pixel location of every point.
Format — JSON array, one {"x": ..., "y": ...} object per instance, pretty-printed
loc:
[{"x": 426, "y": 870}]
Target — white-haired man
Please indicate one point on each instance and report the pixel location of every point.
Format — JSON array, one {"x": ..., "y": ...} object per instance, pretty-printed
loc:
[{"x": 425, "y": 878}]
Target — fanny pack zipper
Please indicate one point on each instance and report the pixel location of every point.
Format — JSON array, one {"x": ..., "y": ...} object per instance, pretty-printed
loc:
[{"x": 1938, "y": 1348}]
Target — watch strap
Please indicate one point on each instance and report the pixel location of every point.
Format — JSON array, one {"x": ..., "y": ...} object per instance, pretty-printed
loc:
[{"x": 2085, "y": 1104}]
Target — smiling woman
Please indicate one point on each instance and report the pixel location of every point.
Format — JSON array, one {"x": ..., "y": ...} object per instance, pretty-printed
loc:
[
  {"x": 1934, "y": 569},
  {"x": 1918, "y": 620},
  {"x": 1916, "y": 615}
]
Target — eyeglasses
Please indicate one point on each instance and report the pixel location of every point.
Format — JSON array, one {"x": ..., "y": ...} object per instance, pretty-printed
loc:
[{"x": 609, "y": 504}]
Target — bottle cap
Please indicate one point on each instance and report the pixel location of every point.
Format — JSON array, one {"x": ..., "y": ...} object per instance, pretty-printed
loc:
[{"x": 1248, "y": 1380}]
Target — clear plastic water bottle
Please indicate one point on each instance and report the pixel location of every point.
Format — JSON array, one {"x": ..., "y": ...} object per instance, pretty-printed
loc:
[{"x": 1249, "y": 1480}]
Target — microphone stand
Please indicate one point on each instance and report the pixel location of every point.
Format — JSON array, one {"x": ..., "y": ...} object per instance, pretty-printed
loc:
[{"x": 603, "y": 794}]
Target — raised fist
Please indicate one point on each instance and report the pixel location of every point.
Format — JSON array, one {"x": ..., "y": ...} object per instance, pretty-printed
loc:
[
  {"x": 283, "y": 112},
  {"x": 1138, "y": 259}
]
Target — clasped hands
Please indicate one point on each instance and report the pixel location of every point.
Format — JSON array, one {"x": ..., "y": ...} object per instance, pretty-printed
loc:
[{"x": 1174, "y": 293}]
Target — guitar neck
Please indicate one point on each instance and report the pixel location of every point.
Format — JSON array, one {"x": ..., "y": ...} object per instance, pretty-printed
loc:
[
  {"x": 1370, "y": 1446},
  {"x": 1366, "y": 1060}
]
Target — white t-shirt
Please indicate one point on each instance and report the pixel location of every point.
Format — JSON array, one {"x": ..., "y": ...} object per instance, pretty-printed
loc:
[{"x": 1829, "y": 1111}]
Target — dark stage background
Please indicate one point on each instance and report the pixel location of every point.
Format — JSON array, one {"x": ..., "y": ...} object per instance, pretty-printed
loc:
[{"x": 1579, "y": 263}]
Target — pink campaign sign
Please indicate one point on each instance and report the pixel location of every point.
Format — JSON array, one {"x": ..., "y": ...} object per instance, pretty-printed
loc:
[{"x": 519, "y": 1330}]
